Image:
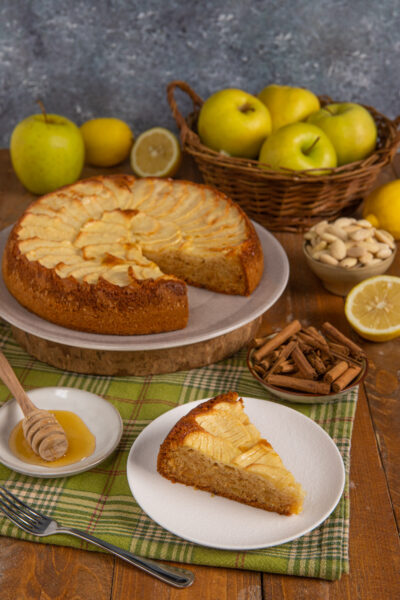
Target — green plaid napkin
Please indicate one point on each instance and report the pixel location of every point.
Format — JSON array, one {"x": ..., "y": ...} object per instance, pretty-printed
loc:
[{"x": 100, "y": 502}]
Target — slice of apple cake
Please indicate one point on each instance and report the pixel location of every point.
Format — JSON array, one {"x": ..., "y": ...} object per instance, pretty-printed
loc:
[{"x": 216, "y": 448}]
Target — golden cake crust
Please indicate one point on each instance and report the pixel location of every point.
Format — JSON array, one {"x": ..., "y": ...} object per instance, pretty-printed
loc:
[
  {"x": 188, "y": 424},
  {"x": 144, "y": 305}
]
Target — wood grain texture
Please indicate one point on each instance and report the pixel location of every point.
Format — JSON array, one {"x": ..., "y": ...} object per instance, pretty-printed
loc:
[
  {"x": 210, "y": 584},
  {"x": 31, "y": 571},
  {"x": 140, "y": 363},
  {"x": 65, "y": 573}
]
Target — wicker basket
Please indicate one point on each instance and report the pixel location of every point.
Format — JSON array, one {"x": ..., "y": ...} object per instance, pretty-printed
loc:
[{"x": 286, "y": 201}]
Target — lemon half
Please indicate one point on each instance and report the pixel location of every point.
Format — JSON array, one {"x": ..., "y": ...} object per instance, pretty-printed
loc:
[
  {"x": 373, "y": 308},
  {"x": 156, "y": 153}
]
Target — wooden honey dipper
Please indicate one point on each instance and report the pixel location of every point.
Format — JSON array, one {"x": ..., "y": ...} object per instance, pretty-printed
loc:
[{"x": 41, "y": 429}]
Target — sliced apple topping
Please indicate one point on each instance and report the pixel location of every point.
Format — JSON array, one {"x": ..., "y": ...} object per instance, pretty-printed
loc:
[
  {"x": 259, "y": 453},
  {"x": 79, "y": 270},
  {"x": 229, "y": 428},
  {"x": 135, "y": 220},
  {"x": 50, "y": 261},
  {"x": 33, "y": 243},
  {"x": 99, "y": 250},
  {"x": 216, "y": 448}
]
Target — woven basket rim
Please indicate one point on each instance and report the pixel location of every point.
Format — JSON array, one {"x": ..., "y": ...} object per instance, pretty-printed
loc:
[{"x": 191, "y": 143}]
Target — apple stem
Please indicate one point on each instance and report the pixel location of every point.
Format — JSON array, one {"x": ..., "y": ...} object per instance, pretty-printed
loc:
[
  {"x": 312, "y": 146},
  {"x": 43, "y": 110},
  {"x": 246, "y": 107}
]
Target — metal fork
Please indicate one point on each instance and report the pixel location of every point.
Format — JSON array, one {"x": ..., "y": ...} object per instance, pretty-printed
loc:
[{"x": 35, "y": 523}]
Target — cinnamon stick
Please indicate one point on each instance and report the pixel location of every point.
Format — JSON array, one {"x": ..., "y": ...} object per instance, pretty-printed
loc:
[
  {"x": 265, "y": 364},
  {"x": 317, "y": 336},
  {"x": 336, "y": 371},
  {"x": 304, "y": 366},
  {"x": 304, "y": 346},
  {"x": 303, "y": 385},
  {"x": 348, "y": 376},
  {"x": 260, "y": 371},
  {"x": 306, "y": 360},
  {"x": 277, "y": 340},
  {"x": 317, "y": 363},
  {"x": 286, "y": 367},
  {"x": 339, "y": 348},
  {"x": 338, "y": 336},
  {"x": 260, "y": 341},
  {"x": 286, "y": 352},
  {"x": 314, "y": 342}
]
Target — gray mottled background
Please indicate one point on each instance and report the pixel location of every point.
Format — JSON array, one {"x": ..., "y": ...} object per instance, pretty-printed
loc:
[{"x": 88, "y": 59}]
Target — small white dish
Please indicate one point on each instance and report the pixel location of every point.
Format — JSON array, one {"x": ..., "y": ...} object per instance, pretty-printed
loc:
[
  {"x": 197, "y": 516},
  {"x": 103, "y": 420}
]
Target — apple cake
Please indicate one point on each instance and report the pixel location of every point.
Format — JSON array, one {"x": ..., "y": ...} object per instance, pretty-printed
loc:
[
  {"x": 217, "y": 449},
  {"x": 113, "y": 254}
]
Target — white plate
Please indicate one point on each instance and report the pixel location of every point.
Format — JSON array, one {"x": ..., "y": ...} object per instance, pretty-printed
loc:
[
  {"x": 210, "y": 314},
  {"x": 306, "y": 450},
  {"x": 103, "y": 420}
]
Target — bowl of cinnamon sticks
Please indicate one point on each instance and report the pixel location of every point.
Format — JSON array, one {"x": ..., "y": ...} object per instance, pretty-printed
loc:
[{"x": 302, "y": 364}]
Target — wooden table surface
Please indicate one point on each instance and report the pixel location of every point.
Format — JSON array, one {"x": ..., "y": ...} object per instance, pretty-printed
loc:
[{"x": 32, "y": 571}]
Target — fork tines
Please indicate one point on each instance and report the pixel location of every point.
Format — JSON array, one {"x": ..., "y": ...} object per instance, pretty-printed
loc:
[{"x": 18, "y": 512}]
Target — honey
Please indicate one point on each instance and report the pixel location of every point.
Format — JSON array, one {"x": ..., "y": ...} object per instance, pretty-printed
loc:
[{"x": 81, "y": 441}]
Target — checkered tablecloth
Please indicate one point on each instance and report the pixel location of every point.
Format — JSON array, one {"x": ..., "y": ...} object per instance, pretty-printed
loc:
[{"x": 100, "y": 501}]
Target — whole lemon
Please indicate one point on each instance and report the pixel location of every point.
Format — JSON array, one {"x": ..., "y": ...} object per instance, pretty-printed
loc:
[
  {"x": 382, "y": 208},
  {"x": 108, "y": 141}
]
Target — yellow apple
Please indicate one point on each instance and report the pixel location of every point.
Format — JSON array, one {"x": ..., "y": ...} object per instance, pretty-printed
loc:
[
  {"x": 288, "y": 104},
  {"x": 298, "y": 146},
  {"x": 47, "y": 152},
  {"x": 234, "y": 122},
  {"x": 351, "y": 129}
]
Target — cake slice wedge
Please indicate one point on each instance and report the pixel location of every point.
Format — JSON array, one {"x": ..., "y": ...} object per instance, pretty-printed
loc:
[{"x": 217, "y": 449}]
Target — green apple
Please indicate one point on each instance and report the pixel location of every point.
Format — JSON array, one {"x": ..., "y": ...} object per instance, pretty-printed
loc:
[
  {"x": 298, "y": 146},
  {"x": 288, "y": 104},
  {"x": 351, "y": 129},
  {"x": 234, "y": 122},
  {"x": 47, "y": 152}
]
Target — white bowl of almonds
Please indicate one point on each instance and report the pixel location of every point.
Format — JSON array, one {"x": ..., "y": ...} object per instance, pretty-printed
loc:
[{"x": 346, "y": 251}]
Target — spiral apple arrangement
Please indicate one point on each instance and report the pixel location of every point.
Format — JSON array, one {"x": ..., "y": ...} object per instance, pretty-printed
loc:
[{"x": 286, "y": 128}]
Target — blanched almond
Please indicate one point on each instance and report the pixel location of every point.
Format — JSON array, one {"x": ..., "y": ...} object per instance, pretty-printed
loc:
[
  {"x": 361, "y": 234},
  {"x": 356, "y": 251},
  {"x": 328, "y": 259},
  {"x": 329, "y": 237},
  {"x": 385, "y": 237},
  {"x": 384, "y": 253},
  {"x": 338, "y": 231},
  {"x": 320, "y": 227},
  {"x": 366, "y": 258},
  {"x": 338, "y": 249},
  {"x": 320, "y": 246},
  {"x": 348, "y": 243},
  {"x": 364, "y": 223},
  {"x": 348, "y": 262},
  {"x": 372, "y": 246},
  {"x": 344, "y": 221},
  {"x": 375, "y": 261},
  {"x": 351, "y": 228}
]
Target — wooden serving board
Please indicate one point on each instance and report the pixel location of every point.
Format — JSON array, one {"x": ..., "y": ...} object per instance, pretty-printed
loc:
[{"x": 136, "y": 362}]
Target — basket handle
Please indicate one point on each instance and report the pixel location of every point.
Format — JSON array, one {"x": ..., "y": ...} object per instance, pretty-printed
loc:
[
  {"x": 197, "y": 101},
  {"x": 396, "y": 122}
]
